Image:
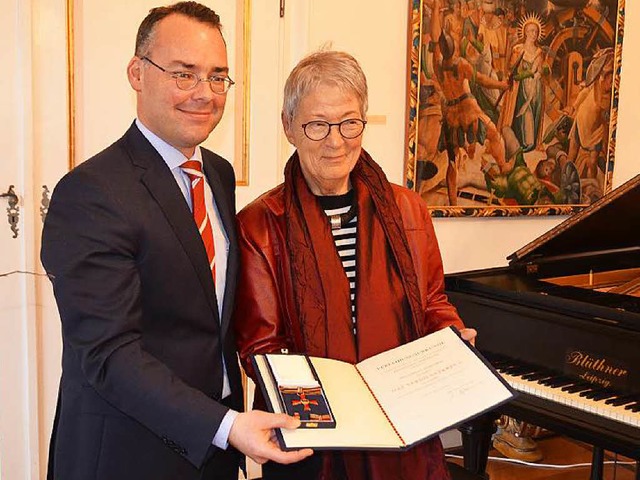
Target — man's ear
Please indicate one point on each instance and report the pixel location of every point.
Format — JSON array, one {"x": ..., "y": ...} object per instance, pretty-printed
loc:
[
  {"x": 288, "y": 129},
  {"x": 134, "y": 73}
]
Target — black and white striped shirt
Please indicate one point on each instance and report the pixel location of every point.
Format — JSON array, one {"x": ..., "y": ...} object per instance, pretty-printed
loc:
[{"x": 345, "y": 240}]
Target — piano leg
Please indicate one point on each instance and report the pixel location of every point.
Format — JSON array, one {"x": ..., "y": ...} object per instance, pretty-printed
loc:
[
  {"x": 476, "y": 441},
  {"x": 597, "y": 463}
]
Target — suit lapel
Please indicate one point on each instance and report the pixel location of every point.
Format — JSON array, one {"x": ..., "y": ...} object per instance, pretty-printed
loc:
[
  {"x": 227, "y": 217},
  {"x": 162, "y": 186}
]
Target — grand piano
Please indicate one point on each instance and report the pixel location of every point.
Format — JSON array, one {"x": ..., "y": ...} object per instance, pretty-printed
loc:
[{"x": 562, "y": 324}]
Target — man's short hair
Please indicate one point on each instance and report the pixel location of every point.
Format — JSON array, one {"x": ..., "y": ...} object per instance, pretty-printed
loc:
[{"x": 193, "y": 10}]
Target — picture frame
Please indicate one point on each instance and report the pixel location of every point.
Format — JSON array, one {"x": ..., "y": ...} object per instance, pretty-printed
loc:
[
  {"x": 512, "y": 109},
  {"x": 233, "y": 133}
]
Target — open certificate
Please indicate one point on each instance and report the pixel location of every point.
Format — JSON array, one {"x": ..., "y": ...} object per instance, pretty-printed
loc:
[{"x": 392, "y": 400}]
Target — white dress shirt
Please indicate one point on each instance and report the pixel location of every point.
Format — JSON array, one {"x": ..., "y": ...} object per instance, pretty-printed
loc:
[{"x": 174, "y": 158}]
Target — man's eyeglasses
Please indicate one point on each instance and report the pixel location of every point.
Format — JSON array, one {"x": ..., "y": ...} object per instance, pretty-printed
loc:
[
  {"x": 319, "y": 130},
  {"x": 188, "y": 80}
]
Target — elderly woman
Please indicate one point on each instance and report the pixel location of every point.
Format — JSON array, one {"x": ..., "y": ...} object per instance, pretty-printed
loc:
[{"x": 337, "y": 262}]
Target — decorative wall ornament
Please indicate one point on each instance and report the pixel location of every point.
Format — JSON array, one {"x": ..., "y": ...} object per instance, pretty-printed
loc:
[
  {"x": 512, "y": 104},
  {"x": 13, "y": 210},
  {"x": 44, "y": 202}
]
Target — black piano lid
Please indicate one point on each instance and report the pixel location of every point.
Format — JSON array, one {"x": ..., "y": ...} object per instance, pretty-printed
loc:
[
  {"x": 609, "y": 225},
  {"x": 604, "y": 236}
]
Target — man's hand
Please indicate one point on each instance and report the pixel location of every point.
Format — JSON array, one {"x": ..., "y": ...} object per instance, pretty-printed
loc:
[
  {"x": 252, "y": 433},
  {"x": 469, "y": 334}
]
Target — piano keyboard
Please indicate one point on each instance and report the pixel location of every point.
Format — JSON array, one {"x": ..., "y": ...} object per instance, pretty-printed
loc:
[{"x": 572, "y": 392}]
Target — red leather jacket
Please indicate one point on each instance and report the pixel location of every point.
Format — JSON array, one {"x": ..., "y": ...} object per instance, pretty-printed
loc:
[
  {"x": 266, "y": 320},
  {"x": 265, "y": 306}
]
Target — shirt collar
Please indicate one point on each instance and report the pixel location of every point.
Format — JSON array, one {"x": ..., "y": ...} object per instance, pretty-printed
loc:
[{"x": 170, "y": 154}]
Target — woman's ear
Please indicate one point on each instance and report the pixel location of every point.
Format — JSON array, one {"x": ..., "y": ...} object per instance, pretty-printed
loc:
[{"x": 288, "y": 129}]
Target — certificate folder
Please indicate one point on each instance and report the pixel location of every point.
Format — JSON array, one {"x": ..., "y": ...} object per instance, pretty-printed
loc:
[{"x": 395, "y": 399}]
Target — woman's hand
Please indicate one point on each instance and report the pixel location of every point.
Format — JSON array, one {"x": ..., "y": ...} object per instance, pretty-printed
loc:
[{"x": 469, "y": 334}]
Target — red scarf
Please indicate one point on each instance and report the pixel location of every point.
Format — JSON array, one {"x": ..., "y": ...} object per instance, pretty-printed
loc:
[
  {"x": 388, "y": 296},
  {"x": 390, "y": 311}
]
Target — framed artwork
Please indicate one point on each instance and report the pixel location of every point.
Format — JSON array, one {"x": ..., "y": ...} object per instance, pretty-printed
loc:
[
  {"x": 512, "y": 104},
  {"x": 95, "y": 67}
]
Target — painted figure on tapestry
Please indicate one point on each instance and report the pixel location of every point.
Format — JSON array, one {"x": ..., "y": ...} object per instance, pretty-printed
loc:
[
  {"x": 523, "y": 107},
  {"x": 514, "y": 102},
  {"x": 464, "y": 124}
]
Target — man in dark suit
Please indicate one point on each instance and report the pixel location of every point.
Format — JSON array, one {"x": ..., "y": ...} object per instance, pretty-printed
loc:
[{"x": 141, "y": 250}]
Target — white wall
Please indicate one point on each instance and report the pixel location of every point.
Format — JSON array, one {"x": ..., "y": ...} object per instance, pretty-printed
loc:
[
  {"x": 105, "y": 102},
  {"x": 628, "y": 138}
]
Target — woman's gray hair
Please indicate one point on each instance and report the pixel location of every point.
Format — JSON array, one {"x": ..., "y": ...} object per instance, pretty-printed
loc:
[{"x": 326, "y": 67}]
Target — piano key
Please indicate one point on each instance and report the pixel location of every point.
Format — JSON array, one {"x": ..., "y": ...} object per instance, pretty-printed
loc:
[
  {"x": 546, "y": 377},
  {"x": 597, "y": 407},
  {"x": 565, "y": 381},
  {"x": 599, "y": 394},
  {"x": 634, "y": 407},
  {"x": 548, "y": 380},
  {"x": 591, "y": 406},
  {"x": 498, "y": 363},
  {"x": 555, "y": 382},
  {"x": 532, "y": 372},
  {"x": 502, "y": 365},
  {"x": 518, "y": 369},
  {"x": 622, "y": 399},
  {"x": 604, "y": 395},
  {"x": 591, "y": 393},
  {"x": 537, "y": 375},
  {"x": 578, "y": 387},
  {"x": 618, "y": 399}
]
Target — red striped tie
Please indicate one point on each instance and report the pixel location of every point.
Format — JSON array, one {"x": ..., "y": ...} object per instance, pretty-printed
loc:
[{"x": 193, "y": 169}]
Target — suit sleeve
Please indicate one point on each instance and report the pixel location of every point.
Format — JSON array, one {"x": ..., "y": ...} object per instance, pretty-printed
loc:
[{"x": 90, "y": 249}]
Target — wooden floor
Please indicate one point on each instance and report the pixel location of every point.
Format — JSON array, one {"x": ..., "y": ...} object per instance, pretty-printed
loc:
[{"x": 560, "y": 451}]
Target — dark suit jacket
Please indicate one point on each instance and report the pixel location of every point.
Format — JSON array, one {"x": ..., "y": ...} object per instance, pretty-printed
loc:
[{"x": 142, "y": 335}]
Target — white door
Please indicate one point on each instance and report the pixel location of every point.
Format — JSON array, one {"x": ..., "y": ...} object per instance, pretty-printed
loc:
[
  {"x": 33, "y": 149},
  {"x": 18, "y": 390}
]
